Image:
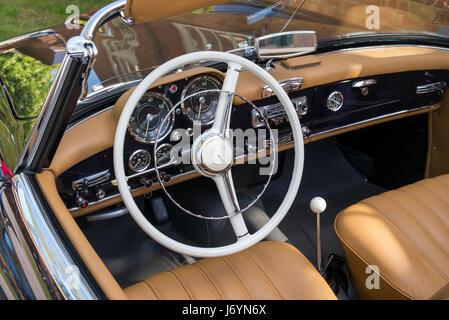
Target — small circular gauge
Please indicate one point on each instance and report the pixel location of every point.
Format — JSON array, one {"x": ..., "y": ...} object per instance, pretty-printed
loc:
[
  {"x": 148, "y": 117},
  {"x": 164, "y": 153},
  {"x": 202, "y": 106},
  {"x": 335, "y": 101},
  {"x": 139, "y": 160}
]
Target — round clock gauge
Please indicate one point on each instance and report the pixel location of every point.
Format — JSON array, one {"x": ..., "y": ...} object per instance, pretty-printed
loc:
[{"x": 335, "y": 101}]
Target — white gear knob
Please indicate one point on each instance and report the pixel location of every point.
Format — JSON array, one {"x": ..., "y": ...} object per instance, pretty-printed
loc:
[{"x": 318, "y": 205}]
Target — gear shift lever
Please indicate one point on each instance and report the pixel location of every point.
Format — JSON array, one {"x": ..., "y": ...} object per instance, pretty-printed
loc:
[{"x": 318, "y": 205}]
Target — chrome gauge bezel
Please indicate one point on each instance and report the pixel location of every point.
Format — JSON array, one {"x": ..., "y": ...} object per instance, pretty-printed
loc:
[
  {"x": 144, "y": 152},
  {"x": 217, "y": 81},
  {"x": 172, "y": 148},
  {"x": 332, "y": 94},
  {"x": 171, "y": 120}
]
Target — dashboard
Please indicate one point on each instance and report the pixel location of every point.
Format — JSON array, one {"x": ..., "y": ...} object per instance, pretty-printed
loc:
[{"x": 323, "y": 110}]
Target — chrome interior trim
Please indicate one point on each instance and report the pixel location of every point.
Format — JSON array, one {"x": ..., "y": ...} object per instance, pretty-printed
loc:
[
  {"x": 107, "y": 215},
  {"x": 288, "y": 85},
  {"x": 433, "y": 106},
  {"x": 364, "y": 83},
  {"x": 61, "y": 266},
  {"x": 155, "y": 186},
  {"x": 431, "y": 87},
  {"x": 91, "y": 181}
]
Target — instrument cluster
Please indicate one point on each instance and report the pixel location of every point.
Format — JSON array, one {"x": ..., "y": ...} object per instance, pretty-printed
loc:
[{"x": 161, "y": 109}]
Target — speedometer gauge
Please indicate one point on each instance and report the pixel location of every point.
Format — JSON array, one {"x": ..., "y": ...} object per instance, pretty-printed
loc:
[
  {"x": 202, "y": 106},
  {"x": 148, "y": 117}
]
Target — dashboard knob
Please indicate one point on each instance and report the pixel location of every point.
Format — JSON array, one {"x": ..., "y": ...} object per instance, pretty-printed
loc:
[
  {"x": 306, "y": 131},
  {"x": 81, "y": 202},
  {"x": 147, "y": 183},
  {"x": 165, "y": 177},
  {"x": 100, "y": 194}
]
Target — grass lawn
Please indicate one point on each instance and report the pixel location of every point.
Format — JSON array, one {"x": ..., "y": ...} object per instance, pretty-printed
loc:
[{"x": 22, "y": 16}]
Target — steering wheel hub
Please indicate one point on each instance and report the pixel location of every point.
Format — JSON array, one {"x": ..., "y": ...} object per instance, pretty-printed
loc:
[{"x": 212, "y": 155}]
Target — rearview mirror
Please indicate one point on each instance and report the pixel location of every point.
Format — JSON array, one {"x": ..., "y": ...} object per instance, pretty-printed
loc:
[{"x": 286, "y": 44}]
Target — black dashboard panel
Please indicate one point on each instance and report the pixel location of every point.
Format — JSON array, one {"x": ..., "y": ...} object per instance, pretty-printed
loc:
[
  {"x": 385, "y": 94},
  {"x": 321, "y": 110}
]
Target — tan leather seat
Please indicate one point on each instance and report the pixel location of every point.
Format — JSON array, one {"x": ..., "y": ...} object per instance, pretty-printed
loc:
[
  {"x": 268, "y": 270},
  {"x": 405, "y": 233}
]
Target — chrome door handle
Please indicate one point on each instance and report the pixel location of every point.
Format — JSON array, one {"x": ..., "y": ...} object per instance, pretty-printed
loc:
[{"x": 364, "y": 83}]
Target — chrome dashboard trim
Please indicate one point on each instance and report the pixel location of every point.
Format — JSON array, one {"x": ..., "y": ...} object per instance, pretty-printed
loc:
[
  {"x": 431, "y": 87},
  {"x": 281, "y": 147},
  {"x": 289, "y": 85},
  {"x": 430, "y": 107},
  {"x": 107, "y": 215},
  {"x": 155, "y": 186}
]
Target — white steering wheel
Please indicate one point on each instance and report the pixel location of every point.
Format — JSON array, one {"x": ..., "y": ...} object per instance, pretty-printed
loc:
[{"x": 213, "y": 141}]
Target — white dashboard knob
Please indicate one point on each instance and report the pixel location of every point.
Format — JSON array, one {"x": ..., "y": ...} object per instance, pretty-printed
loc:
[{"x": 318, "y": 205}]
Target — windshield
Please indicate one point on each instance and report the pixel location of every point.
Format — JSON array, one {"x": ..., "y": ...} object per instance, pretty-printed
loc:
[{"x": 129, "y": 53}]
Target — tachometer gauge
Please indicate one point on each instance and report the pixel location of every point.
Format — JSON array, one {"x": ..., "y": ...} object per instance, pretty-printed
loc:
[
  {"x": 148, "y": 117},
  {"x": 202, "y": 106},
  {"x": 164, "y": 154},
  {"x": 139, "y": 160}
]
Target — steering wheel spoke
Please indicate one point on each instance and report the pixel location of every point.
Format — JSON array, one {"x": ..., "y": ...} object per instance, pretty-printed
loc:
[
  {"x": 226, "y": 189},
  {"x": 224, "y": 107}
]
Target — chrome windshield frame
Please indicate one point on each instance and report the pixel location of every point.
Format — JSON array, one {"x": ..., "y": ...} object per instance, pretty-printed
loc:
[{"x": 78, "y": 48}]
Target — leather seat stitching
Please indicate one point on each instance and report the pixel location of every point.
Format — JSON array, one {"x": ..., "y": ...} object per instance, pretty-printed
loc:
[
  {"x": 437, "y": 194},
  {"x": 238, "y": 278},
  {"x": 209, "y": 282},
  {"x": 366, "y": 262},
  {"x": 263, "y": 274},
  {"x": 148, "y": 284},
  {"x": 426, "y": 258},
  {"x": 173, "y": 274},
  {"x": 441, "y": 180},
  {"x": 432, "y": 210},
  {"x": 406, "y": 236}
]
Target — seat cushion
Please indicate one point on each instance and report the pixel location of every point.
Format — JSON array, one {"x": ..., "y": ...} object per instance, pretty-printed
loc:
[
  {"x": 268, "y": 270},
  {"x": 405, "y": 233}
]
